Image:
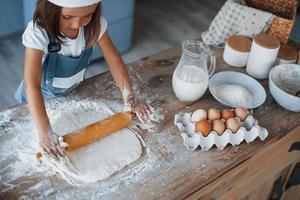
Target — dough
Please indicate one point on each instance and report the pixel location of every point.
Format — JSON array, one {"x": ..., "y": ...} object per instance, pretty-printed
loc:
[
  {"x": 97, "y": 160},
  {"x": 100, "y": 159}
]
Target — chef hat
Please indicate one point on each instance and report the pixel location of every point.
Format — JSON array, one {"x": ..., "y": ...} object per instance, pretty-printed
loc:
[{"x": 73, "y": 3}]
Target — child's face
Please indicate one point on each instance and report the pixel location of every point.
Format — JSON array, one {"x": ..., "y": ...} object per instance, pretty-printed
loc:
[{"x": 71, "y": 19}]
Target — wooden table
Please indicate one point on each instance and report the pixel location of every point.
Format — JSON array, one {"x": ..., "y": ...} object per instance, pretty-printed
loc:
[{"x": 240, "y": 172}]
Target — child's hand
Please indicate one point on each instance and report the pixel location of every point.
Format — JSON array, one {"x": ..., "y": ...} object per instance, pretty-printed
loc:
[
  {"x": 141, "y": 109},
  {"x": 50, "y": 143}
]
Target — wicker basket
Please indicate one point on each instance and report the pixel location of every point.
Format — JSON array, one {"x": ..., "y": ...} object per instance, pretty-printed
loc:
[{"x": 285, "y": 11}]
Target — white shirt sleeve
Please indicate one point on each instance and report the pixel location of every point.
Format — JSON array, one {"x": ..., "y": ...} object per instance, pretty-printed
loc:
[
  {"x": 103, "y": 28},
  {"x": 35, "y": 37}
]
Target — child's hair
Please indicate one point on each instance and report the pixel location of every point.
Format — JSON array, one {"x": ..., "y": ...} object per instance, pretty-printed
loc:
[{"x": 47, "y": 16}]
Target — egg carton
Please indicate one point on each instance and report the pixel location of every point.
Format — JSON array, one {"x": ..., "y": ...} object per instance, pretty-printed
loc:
[{"x": 248, "y": 131}]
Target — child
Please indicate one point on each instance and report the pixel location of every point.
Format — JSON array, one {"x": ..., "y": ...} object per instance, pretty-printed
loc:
[{"x": 58, "y": 49}]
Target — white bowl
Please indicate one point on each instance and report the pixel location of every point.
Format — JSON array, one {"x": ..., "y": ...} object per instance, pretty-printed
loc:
[
  {"x": 256, "y": 90},
  {"x": 284, "y": 81}
]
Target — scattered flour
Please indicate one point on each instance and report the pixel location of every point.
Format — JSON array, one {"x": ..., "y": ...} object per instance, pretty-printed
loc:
[
  {"x": 234, "y": 95},
  {"x": 125, "y": 94},
  {"x": 19, "y": 143},
  {"x": 93, "y": 162},
  {"x": 152, "y": 118}
]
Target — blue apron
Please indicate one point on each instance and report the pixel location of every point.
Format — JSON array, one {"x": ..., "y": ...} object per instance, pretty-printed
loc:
[{"x": 60, "y": 74}]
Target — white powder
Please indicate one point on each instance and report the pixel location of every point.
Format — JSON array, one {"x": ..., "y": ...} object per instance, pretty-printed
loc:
[
  {"x": 125, "y": 94},
  {"x": 17, "y": 133},
  {"x": 95, "y": 161},
  {"x": 234, "y": 95}
]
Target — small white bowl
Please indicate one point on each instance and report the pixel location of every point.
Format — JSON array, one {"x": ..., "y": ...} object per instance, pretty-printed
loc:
[
  {"x": 256, "y": 90},
  {"x": 284, "y": 81}
]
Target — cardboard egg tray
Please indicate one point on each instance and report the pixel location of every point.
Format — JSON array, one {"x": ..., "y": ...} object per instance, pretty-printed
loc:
[{"x": 248, "y": 131}]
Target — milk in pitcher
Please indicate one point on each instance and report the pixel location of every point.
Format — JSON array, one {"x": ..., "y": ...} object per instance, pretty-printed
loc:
[{"x": 190, "y": 83}]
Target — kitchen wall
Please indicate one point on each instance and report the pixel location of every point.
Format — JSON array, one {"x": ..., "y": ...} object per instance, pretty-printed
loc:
[{"x": 11, "y": 16}]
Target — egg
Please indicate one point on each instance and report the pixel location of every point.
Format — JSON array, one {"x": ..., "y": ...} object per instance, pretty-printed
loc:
[
  {"x": 213, "y": 114},
  {"x": 199, "y": 115},
  {"x": 204, "y": 127},
  {"x": 233, "y": 124},
  {"x": 241, "y": 113},
  {"x": 226, "y": 113},
  {"x": 218, "y": 126}
]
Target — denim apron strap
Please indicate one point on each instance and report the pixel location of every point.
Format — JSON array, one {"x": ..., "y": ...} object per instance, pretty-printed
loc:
[
  {"x": 60, "y": 74},
  {"x": 51, "y": 59},
  {"x": 63, "y": 73}
]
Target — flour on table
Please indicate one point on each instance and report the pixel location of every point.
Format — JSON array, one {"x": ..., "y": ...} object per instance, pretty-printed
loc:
[{"x": 95, "y": 161}]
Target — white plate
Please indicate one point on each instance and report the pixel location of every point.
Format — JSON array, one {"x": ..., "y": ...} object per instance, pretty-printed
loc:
[{"x": 256, "y": 90}]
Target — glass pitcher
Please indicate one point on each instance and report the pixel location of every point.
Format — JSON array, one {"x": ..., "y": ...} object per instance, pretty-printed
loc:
[{"x": 190, "y": 78}]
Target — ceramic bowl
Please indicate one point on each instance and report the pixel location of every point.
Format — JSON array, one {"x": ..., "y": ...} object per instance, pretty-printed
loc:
[
  {"x": 256, "y": 90},
  {"x": 284, "y": 84}
]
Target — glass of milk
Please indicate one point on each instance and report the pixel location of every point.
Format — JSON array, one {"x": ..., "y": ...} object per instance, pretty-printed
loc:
[{"x": 190, "y": 78}]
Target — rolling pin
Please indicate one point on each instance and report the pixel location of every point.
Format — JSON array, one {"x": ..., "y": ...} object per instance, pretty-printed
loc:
[{"x": 96, "y": 131}]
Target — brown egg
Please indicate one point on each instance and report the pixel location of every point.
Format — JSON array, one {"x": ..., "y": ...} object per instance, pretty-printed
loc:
[
  {"x": 241, "y": 113},
  {"x": 233, "y": 124},
  {"x": 218, "y": 126},
  {"x": 226, "y": 113},
  {"x": 213, "y": 114},
  {"x": 204, "y": 127}
]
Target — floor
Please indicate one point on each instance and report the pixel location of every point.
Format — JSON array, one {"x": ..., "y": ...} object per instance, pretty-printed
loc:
[{"x": 159, "y": 24}]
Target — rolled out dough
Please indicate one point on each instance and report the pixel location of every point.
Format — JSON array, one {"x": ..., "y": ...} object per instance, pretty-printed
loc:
[
  {"x": 100, "y": 159},
  {"x": 97, "y": 160}
]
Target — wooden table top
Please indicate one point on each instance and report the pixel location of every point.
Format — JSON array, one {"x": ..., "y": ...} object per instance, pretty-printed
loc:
[{"x": 172, "y": 171}]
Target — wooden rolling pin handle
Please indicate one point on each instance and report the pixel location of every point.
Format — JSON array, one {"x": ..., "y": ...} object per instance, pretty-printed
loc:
[{"x": 38, "y": 155}]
